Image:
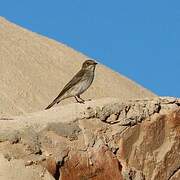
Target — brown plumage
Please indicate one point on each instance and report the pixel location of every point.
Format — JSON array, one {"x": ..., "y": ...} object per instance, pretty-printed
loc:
[{"x": 78, "y": 84}]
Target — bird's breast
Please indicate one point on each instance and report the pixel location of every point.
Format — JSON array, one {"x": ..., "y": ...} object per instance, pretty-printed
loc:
[{"x": 84, "y": 84}]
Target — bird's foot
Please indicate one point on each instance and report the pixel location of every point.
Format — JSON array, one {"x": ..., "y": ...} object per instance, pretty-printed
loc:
[
  {"x": 81, "y": 102},
  {"x": 79, "y": 99}
]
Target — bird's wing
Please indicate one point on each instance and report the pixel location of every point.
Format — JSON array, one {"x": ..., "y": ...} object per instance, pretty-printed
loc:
[{"x": 71, "y": 83}]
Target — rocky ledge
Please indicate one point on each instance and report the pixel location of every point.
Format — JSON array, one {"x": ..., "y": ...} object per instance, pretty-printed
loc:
[{"x": 98, "y": 140}]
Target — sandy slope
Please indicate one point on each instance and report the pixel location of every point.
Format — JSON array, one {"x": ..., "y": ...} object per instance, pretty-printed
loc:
[{"x": 33, "y": 69}]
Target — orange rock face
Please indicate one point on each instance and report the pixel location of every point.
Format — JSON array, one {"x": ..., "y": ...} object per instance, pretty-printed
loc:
[
  {"x": 155, "y": 151},
  {"x": 94, "y": 164}
]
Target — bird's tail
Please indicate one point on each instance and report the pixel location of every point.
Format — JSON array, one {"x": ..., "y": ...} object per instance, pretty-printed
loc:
[{"x": 52, "y": 104}]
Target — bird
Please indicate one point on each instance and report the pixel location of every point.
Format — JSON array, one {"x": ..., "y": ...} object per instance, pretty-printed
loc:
[{"x": 78, "y": 84}]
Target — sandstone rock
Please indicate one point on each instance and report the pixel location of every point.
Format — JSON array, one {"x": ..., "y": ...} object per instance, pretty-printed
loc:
[
  {"x": 95, "y": 164},
  {"x": 104, "y": 139},
  {"x": 16, "y": 170}
]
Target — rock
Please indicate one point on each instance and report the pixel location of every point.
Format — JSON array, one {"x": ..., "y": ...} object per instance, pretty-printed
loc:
[
  {"x": 96, "y": 164},
  {"x": 175, "y": 175},
  {"x": 103, "y": 139},
  {"x": 16, "y": 170},
  {"x": 68, "y": 130},
  {"x": 154, "y": 150},
  {"x": 52, "y": 167}
]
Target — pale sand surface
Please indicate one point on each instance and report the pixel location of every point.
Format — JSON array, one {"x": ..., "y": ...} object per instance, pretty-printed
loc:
[{"x": 33, "y": 70}]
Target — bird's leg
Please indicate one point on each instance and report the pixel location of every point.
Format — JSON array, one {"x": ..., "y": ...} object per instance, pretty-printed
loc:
[
  {"x": 80, "y": 98},
  {"x": 82, "y": 101}
]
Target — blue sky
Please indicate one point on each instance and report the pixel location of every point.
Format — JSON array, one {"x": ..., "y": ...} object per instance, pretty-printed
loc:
[{"x": 139, "y": 39}]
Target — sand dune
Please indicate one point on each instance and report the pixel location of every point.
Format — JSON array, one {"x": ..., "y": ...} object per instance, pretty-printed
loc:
[{"x": 33, "y": 70}]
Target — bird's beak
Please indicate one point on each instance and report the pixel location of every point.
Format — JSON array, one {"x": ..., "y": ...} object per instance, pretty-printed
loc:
[{"x": 95, "y": 63}]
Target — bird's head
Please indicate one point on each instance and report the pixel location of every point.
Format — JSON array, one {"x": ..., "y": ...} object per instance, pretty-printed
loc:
[{"x": 89, "y": 64}]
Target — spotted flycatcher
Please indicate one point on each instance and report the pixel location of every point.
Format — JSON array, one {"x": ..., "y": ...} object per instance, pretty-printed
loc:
[{"x": 79, "y": 83}]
